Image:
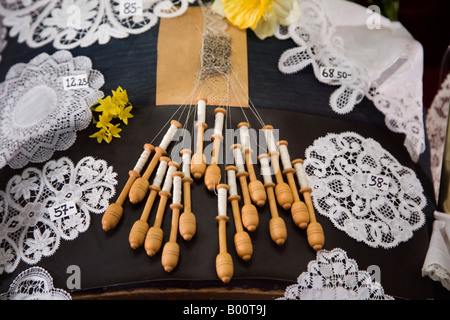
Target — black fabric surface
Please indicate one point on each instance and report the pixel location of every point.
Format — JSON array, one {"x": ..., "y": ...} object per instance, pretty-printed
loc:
[{"x": 295, "y": 104}]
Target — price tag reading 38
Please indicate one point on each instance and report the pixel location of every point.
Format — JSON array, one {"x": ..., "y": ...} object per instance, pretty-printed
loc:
[
  {"x": 332, "y": 73},
  {"x": 63, "y": 210},
  {"x": 75, "y": 82},
  {"x": 378, "y": 182},
  {"x": 128, "y": 8}
]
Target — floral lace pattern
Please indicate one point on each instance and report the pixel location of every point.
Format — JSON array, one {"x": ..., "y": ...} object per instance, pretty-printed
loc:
[
  {"x": 392, "y": 79},
  {"x": 34, "y": 283},
  {"x": 333, "y": 276},
  {"x": 3, "y": 33},
  {"x": 364, "y": 190},
  {"x": 71, "y": 23},
  {"x": 38, "y": 115},
  {"x": 28, "y": 231}
]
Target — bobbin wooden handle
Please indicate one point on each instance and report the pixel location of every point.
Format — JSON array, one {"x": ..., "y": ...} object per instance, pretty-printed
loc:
[
  {"x": 277, "y": 227},
  {"x": 171, "y": 250},
  {"x": 250, "y": 217},
  {"x": 154, "y": 238},
  {"x": 299, "y": 211},
  {"x": 188, "y": 224},
  {"x": 255, "y": 187},
  {"x": 242, "y": 241},
  {"x": 224, "y": 261}
]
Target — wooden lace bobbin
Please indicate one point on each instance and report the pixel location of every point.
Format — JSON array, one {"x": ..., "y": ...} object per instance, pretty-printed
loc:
[
  {"x": 212, "y": 173},
  {"x": 255, "y": 187},
  {"x": 140, "y": 227},
  {"x": 154, "y": 238},
  {"x": 277, "y": 227},
  {"x": 299, "y": 211},
  {"x": 114, "y": 212},
  {"x": 283, "y": 192},
  {"x": 249, "y": 213},
  {"x": 314, "y": 231},
  {"x": 187, "y": 224},
  {"x": 242, "y": 241},
  {"x": 224, "y": 261},
  {"x": 198, "y": 161},
  {"x": 140, "y": 186},
  {"x": 171, "y": 251}
]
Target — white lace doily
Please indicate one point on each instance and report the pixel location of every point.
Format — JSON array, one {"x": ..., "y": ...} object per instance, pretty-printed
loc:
[
  {"x": 364, "y": 190},
  {"x": 38, "y": 115},
  {"x": 34, "y": 283},
  {"x": 35, "y": 208},
  {"x": 383, "y": 63},
  {"x": 436, "y": 124},
  {"x": 71, "y": 23},
  {"x": 333, "y": 276},
  {"x": 3, "y": 33}
]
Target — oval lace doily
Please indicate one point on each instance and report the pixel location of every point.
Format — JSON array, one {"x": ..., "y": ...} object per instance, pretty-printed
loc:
[
  {"x": 333, "y": 276},
  {"x": 71, "y": 23},
  {"x": 28, "y": 231},
  {"x": 34, "y": 283},
  {"x": 364, "y": 190},
  {"x": 38, "y": 115}
]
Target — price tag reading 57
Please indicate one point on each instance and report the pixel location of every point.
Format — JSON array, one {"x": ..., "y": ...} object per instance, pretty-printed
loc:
[
  {"x": 128, "y": 8},
  {"x": 63, "y": 210},
  {"x": 332, "y": 73}
]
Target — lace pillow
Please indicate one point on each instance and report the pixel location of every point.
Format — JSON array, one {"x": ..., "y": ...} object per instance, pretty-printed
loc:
[
  {"x": 39, "y": 113},
  {"x": 333, "y": 276},
  {"x": 34, "y": 283},
  {"x": 381, "y": 62},
  {"x": 364, "y": 190},
  {"x": 39, "y": 208},
  {"x": 68, "y": 24}
]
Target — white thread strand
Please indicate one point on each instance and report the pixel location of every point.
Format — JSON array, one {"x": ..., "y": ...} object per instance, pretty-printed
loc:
[
  {"x": 232, "y": 182},
  {"x": 141, "y": 161},
  {"x": 285, "y": 157},
  {"x": 218, "y": 124},
  {"x": 238, "y": 160},
  {"x": 186, "y": 165},
  {"x": 176, "y": 199},
  {"x": 168, "y": 181},
  {"x": 201, "y": 111},
  {"x": 265, "y": 170},
  {"x": 271, "y": 146},
  {"x": 159, "y": 176},
  {"x": 245, "y": 138},
  {"x": 222, "y": 202},
  {"x": 301, "y": 175},
  {"x": 168, "y": 137}
]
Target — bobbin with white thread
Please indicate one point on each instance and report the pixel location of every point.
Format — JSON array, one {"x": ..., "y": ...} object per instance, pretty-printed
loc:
[
  {"x": 249, "y": 213},
  {"x": 114, "y": 212},
  {"x": 140, "y": 186},
  {"x": 171, "y": 251},
  {"x": 314, "y": 231},
  {"x": 277, "y": 227},
  {"x": 283, "y": 192},
  {"x": 242, "y": 241},
  {"x": 188, "y": 224},
  {"x": 198, "y": 161},
  {"x": 212, "y": 173},
  {"x": 140, "y": 227},
  {"x": 255, "y": 187},
  {"x": 224, "y": 261},
  {"x": 299, "y": 211},
  {"x": 153, "y": 240}
]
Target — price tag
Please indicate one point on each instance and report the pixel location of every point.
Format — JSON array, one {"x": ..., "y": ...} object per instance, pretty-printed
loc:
[
  {"x": 63, "y": 210},
  {"x": 332, "y": 73},
  {"x": 75, "y": 82},
  {"x": 378, "y": 182},
  {"x": 129, "y": 8}
]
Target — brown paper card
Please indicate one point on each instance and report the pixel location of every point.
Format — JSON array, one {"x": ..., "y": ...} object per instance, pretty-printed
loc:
[{"x": 179, "y": 48}]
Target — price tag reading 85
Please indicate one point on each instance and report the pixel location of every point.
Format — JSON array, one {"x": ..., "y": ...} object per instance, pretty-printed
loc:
[
  {"x": 63, "y": 210},
  {"x": 378, "y": 182},
  {"x": 128, "y": 8},
  {"x": 332, "y": 73}
]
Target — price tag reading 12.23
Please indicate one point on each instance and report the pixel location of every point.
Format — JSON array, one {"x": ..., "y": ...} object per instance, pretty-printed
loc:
[
  {"x": 63, "y": 210},
  {"x": 378, "y": 182},
  {"x": 75, "y": 82},
  {"x": 334, "y": 73},
  {"x": 128, "y": 8}
]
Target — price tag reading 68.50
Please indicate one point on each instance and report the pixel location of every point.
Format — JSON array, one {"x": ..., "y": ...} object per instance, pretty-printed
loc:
[
  {"x": 63, "y": 210},
  {"x": 335, "y": 73}
]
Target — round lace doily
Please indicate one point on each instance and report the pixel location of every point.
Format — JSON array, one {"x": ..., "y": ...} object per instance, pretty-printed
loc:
[
  {"x": 3, "y": 33},
  {"x": 364, "y": 190},
  {"x": 36, "y": 207},
  {"x": 34, "y": 283},
  {"x": 38, "y": 114},
  {"x": 333, "y": 276},
  {"x": 71, "y": 23}
]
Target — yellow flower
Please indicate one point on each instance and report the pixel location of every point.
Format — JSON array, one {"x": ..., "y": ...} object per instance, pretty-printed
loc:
[
  {"x": 262, "y": 16},
  {"x": 113, "y": 130},
  {"x": 124, "y": 113},
  {"x": 100, "y": 135},
  {"x": 107, "y": 107},
  {"x": 103, "y": 120},
  {"x": 120, "y": 96}
]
